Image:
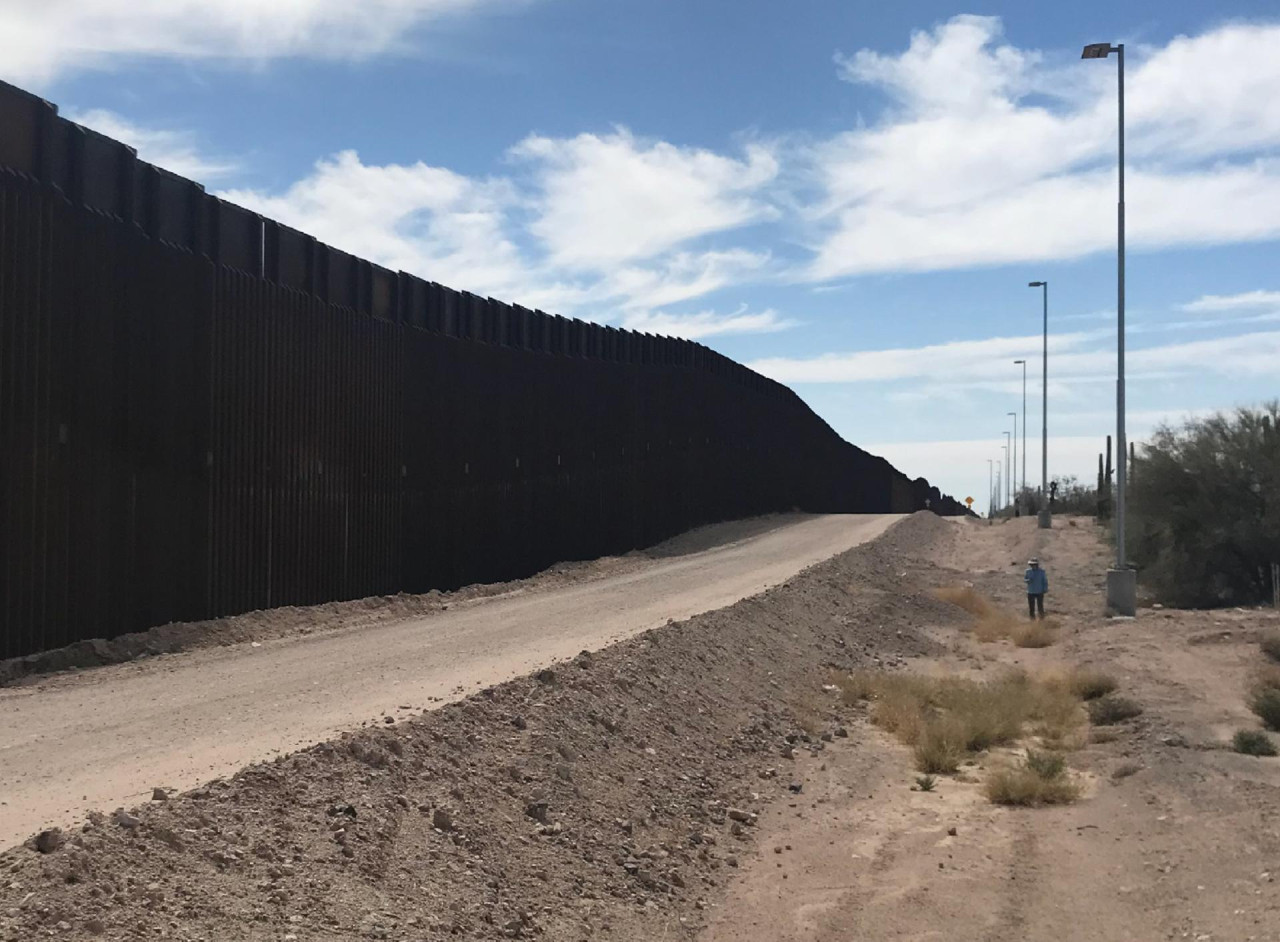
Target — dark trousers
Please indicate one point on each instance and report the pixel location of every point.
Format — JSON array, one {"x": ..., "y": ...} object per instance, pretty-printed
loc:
[{"x": 1036, "y": 601}]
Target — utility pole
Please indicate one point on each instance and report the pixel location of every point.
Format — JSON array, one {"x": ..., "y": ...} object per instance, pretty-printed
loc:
[
  {"x": 1024, "y": 424},
  {"x": 1046, "y": 515},
  {"x": 1016, "y": 494},
  {"x": 1122, "y": 582}
]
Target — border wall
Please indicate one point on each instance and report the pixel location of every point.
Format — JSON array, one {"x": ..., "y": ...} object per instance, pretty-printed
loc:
[{"x": 204, "y": 412}]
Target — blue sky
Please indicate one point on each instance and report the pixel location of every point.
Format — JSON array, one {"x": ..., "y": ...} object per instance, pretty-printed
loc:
[{"x": 848, "y": 196}]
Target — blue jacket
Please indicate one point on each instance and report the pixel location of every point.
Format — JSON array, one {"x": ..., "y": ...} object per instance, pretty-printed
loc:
[{"x": 1037, "y": 581}]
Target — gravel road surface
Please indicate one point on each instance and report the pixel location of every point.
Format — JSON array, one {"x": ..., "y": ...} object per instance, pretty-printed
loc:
[{"x": 104, "y": 738}]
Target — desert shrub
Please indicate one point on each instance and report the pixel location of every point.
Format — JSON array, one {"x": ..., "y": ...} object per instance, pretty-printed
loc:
[
  {"x": 1023, "y": 785},
  {"x": 1109, "y": 710},
  {"x": 926, "y": 783},
  {"x": 1091, "y": 684},
  {"x": 1031, "y": 635},
  {"x": 1270, "y": 644},
  {"x": 1204, "y": 516},
  {"x": 1253, "y": 742},
  {"x": 1265, "y": 702},
  {"x": 1047, "y": 765},
  {"x": 992, "y": 623}
]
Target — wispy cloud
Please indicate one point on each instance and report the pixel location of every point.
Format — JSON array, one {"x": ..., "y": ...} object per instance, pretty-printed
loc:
[
  {"x": 39, "y": 41},
  {"x": 176, "y": 151},
  {"x": 1248, "y": 300},
  {"x": 1073, "y": 358},
  {"x": 708, "y": 323}
]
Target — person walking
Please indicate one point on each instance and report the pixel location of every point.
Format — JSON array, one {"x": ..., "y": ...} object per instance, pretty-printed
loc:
[{"x": 1037, "y": 585}]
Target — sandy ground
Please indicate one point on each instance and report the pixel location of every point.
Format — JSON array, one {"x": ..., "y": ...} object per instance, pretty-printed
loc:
[
  {"x": 1175, "y": 838},
  {"x": 108, "y": 736}
]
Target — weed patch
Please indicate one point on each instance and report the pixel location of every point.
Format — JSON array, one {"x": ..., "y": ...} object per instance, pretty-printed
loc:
[
  {"x": 1091, "y": 684},
  {"x": 1040, "y": 780},
  {"x": 1265, "y": 702},
  {"x": 1252, "y": 742},
  {"x": 994, "y": 624},
  {"x": 1270, "y": 644},
  {"x": 1110, "y": 710}
]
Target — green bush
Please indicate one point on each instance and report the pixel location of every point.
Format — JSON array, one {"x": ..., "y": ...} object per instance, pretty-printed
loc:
[
  {"x": 1253, "y": 742},
  {"x": 1204, "y": 509}
]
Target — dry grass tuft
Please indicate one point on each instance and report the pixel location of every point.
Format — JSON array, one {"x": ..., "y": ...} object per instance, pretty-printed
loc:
[
  {"x": 1090, "y": 684},
  {"x": 946, "y": 719},
  {"x": 1270, "y": 644},
  {"x": 1109, "y": 710},
  {"x": 1252, "y": 742},
  {"x": 993, "y": 624},
  {"x": 1040, "y": 780},
  {"x": 1031, "y": 635},
  {"x": 968, "y": 599}
]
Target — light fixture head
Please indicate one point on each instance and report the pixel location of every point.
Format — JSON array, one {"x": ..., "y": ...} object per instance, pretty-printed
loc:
[
  {"x": 1097, "y": 51},
  {"x": 1016, "y": 362},
  {"x": 1035, "y": 284}
]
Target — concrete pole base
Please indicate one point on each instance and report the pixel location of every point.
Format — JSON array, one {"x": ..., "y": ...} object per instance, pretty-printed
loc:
[
  {"x": 1046, "y": 519},
  {"x": 1122, "y": 592}
]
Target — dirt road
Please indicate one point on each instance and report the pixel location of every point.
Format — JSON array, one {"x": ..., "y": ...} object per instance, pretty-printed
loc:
[
  {"x": 1175, "y": 836},
  {"x": 104, "y": 738}
]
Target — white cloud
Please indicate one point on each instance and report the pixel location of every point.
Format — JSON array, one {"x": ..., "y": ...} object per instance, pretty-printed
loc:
[
  {"x": 464, "y": 232},
  {"x": 707, "y": 323},
  {"x": 1073, "y": 359},
  {"x": 1247, "y": 300},
  {"x": 173, "y": 150},
  {"x": 40, "y": 40},
  {"x": 968, "y": 169},
  {"x": 609, "y": 199}
]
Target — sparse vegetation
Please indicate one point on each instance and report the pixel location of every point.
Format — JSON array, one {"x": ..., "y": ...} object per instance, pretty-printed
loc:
[
  {"x": 946, "y": 719},
  {"x": 926, "y": 783},
  {"x": 1124, "y": 770},
  {"x": 994, "y": 624},
  {"x": 1031, "y": 635},
  {"x": 1270, "y": 644},
  {"x": 1253, "y": 742},
  {"x": 1089, "y": 684},
  {"x": 1040, "y": 780},
  {"x": 1265, "y": 702},
  {"x": 1110, "y": 710},
  {"x": 1047, "y": 765}
]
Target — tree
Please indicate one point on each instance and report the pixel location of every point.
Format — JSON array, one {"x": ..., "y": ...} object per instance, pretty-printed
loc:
[{"x": 1204, "y": 509}]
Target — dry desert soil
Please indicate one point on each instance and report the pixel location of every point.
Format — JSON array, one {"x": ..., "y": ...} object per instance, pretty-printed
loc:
[{"x": 703, "y": 780}]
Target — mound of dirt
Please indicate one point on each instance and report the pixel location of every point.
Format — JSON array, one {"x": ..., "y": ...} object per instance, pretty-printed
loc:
[{"x": 605, "y": 795}]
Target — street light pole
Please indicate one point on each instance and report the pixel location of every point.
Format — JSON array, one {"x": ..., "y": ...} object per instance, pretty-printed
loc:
[
  {"x": 991, "y": 488},
  {"x": 1015, "y": 460},
  {"x": 1122, "y": 582},
  {"x": 1005, "y": 465},
  {"x": 1024, "y": 424},
  {"x": 1046, "y": 515},
  {"x": 1006, "y": 469}
]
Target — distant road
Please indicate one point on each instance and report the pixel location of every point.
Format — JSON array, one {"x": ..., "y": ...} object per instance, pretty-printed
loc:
[{"x": 104, "y": 738}]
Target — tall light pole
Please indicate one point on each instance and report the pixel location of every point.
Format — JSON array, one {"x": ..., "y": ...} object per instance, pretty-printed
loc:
[
  {"x": 1024, "y": 423},
  {"x": 1015, "y": 459},
  {"x": 1046, "y": 515},
  {"x": 991, "y": 488},
  {"x": 1122, "y": 582},
  {"x": 1005, "y": 465}
]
